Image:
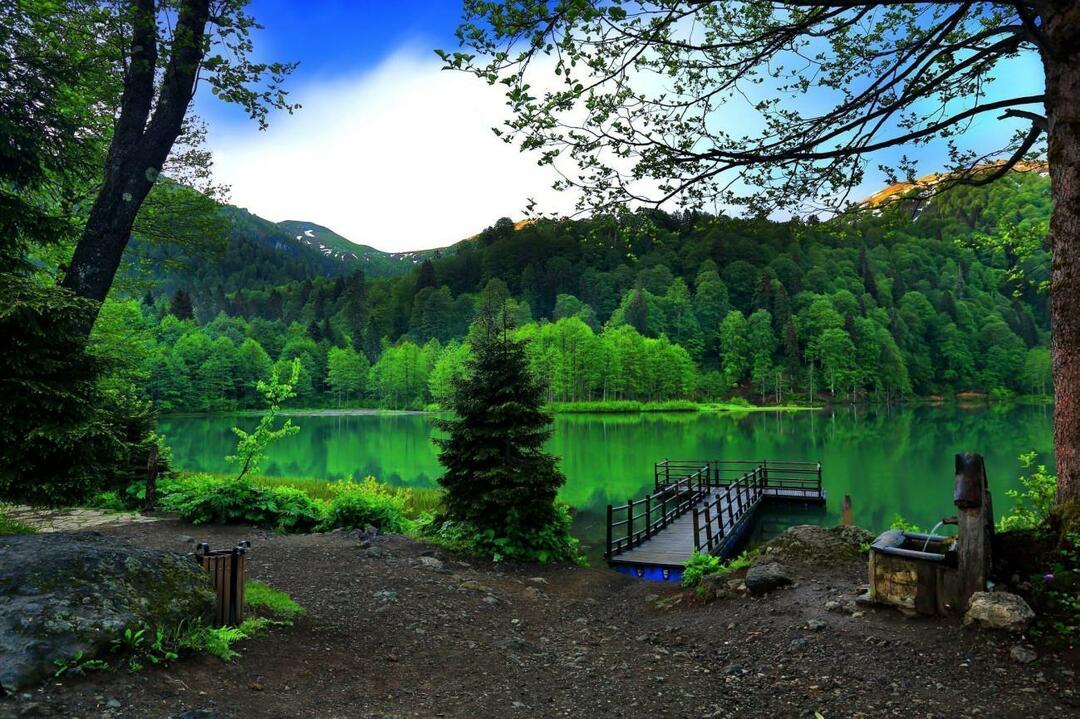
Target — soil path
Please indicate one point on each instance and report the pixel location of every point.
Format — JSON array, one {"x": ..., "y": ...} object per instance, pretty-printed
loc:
[{"x": 395, "y": 629}]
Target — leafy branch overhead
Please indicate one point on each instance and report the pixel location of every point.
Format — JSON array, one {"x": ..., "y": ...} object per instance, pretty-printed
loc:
[{"x": 773, "y": 105}]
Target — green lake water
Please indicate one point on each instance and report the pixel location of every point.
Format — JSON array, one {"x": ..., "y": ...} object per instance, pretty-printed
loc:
[{"x": 888, "y": 460}]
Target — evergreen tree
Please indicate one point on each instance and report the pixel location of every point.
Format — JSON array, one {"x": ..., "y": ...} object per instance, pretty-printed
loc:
[
  {"x": 181, "y": 306},
  {"x": 498, "y": 477},
  {"x": 637, "y": 312}
]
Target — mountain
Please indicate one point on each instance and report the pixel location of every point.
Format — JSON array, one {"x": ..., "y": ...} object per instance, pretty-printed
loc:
[{"x": 375, "y": 263}]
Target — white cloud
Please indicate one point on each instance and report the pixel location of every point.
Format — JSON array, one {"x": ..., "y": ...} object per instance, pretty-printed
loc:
[{"x": 401, "y": 157}]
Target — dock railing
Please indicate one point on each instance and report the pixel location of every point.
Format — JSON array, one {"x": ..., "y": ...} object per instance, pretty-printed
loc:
[
  {"x": 736, "y": 487},
  {"x": 630, "y": 524}
]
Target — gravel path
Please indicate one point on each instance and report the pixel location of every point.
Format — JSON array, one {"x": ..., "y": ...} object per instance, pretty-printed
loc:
[{"x": 395, "y": 629}]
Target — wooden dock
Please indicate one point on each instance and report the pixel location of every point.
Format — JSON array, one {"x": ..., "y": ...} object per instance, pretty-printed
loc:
[{"x": 704, "y": 506}]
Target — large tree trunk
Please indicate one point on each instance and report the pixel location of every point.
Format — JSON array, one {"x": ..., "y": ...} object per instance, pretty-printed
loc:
[
  {"x": 139, "y": 148},
  {"x": 1063, "y": 113}
]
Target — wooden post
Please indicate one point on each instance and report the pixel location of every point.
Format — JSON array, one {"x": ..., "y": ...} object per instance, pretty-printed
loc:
[
  {"x": 847, "y": 518},
  {"x": 697, "y": 529},
  {"x": 607, "y": 550},
  {"x": 151, "y": 478},
  {"x": 975, "y": 526},
  {"x": 648, "y": 516},
  {"x": 667, "y": 471},
  {"x": 629, "y": 523},
  {"x": 765, "y": 472},
  {"x": 708, "y": 527}
]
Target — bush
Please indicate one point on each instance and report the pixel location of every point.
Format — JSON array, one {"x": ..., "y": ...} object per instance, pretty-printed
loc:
[
  {"x": 552, "y": 543},
  {"x": 295, "y": 510},
  {"x": 1031, "y": 506},
  {"x": 73, "y": 436},
  {"x": 702, "y": 565},
  {"x": 357, "y": 504},
  {"x": 261, "y": 596}
]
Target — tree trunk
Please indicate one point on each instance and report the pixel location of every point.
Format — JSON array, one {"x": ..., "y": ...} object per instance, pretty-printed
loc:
[
  {"x": 1063, "y": 114},
  {"x": 139, "y": 147}
]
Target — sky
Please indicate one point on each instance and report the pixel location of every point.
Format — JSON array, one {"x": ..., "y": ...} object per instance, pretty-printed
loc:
[{"x": 389, "y": 150}]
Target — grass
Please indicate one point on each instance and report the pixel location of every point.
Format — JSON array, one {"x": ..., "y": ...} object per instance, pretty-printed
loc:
[
  {"x": 11, "y": 526},
  {"x": 736, "y": 404},
  {"x": 261, "y": 596}
]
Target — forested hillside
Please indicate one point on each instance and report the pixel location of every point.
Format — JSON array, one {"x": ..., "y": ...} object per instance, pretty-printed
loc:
[{"x": 876, "y": 305}]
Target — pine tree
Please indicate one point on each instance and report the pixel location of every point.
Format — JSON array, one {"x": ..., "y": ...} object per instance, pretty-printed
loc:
[
  {"x": 498, "y": 477},
  {"x": 180, "y": 306}
]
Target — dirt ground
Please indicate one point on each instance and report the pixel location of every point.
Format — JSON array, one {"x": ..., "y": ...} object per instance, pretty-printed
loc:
[{"x": 397, "y": 629}]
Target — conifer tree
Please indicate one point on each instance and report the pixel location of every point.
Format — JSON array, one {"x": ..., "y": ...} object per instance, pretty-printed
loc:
[{"x": 498, "y": 476}]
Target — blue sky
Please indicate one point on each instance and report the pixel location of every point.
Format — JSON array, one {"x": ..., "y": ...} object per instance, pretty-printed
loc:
[{"x": 390, "y": 151}]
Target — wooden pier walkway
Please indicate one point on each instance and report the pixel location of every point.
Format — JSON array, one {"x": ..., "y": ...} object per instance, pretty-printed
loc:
[{"x": 704, "y": 506}]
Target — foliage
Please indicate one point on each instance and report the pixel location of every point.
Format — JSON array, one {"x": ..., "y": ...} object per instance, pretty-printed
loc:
[
  {"x": 252, "y": 447},
  {"x": 552, "y": 542},
  {"x": 903, "y": 525},
  {"x": 1060, "y": 588},
  {"x": 875, "y": 306},
  {"x": 357, "y": 504},
  {"x": 289, "y": 506},
  {"x": 12, "y": 526},
  {"x": 70, "y": 433},
  {"x": 1033, "y": 504},
  {"x": 702, "y": 564},
  {"x": 261, "y": 596},
  {"x": 499, "y": 480}
]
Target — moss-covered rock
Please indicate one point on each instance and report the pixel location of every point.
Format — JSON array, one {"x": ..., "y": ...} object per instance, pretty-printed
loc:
[
  {"x": 811, "y": 544},
  {"x": 68, "y": 595}
]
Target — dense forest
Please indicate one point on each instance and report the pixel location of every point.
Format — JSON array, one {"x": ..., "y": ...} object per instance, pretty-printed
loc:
[{"x": 879, "y": 304}]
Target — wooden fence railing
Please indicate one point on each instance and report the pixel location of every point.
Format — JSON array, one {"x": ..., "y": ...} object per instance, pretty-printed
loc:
[
  {"x": 630, "y": 524},
  {"x": 733, "y": 488},
  {"x": 722, "y": 513}
]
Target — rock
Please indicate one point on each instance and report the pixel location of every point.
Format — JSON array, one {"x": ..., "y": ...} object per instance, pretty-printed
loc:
[
  {"x": 70, "y": 594},
  {"x": 386, "y": 595},
  {"x": 763, "y": 578},
  {"x": 431, "y": 563},
  {"x": 475, "y": 586},
  {"x": 713, "y": 586},
  {"x": 833, "y": 606},
  {"x": 113, "y": 704},
  {"x": 538, "y": 580},
  {"x": 1023, "y": 654},
  {"x": 184, "y": 539},
  {"x": 998, "y": 610},
  {"x": 815, "y": 625},
  {"x": 533, "y": 593},
  {"x": 809, "y": 543}
]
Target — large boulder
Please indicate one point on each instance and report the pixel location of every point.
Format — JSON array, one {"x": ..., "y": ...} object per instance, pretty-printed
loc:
[
  {"x": 998, "y": 610},
  {"x": 814, "y": 545},
  {"x": 68, "y": 595},
  {"x": 763, "y": 578}
]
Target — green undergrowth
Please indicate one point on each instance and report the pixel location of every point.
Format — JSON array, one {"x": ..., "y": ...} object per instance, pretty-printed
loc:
[
  {"x": 701, "y": 565},
  {"x": 553, "y": 543},
  {"x": 285, "y": 505},
  {"x": 141, "y": 647},
  {"x": 11, "y": 526}
]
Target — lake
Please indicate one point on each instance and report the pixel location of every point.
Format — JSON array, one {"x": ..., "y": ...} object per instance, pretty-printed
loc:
[{"x": 889, "y": 460}]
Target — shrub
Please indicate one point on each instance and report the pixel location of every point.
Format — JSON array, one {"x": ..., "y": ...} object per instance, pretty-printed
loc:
[
  {"x": 551, "y": 543},
  {"x": 702, "y": 565},
  {"x": 295, "y": 510},
  {"x": 1032, "y": 505},
  {"x": 356, "y": 504},
  {"x": 898, "y": 522},
  {"x": 202, "y": 499}
]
